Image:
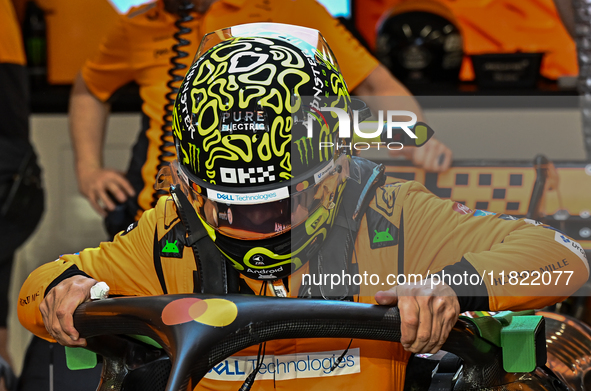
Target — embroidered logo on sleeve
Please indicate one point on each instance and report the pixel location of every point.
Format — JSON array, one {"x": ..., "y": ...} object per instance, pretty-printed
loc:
[
  {"x": 573, "y": 246},
  {"x": 171, "y": 246},
  {"x": 382, "y": 233},
  {"x": 386, "y": 198},
  {"x": 381, "y": 237},
  {"x": 129, "y": 228}
]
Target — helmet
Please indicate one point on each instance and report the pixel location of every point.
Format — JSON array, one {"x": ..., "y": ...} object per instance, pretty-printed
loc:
[{"x": 257, "y": 157}]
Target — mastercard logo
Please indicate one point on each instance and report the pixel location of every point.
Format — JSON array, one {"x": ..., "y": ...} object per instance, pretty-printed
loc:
[{"x": 212, "y": 312}]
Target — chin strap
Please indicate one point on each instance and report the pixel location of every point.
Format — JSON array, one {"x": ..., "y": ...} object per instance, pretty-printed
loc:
[{"x": 212, "y": 275}]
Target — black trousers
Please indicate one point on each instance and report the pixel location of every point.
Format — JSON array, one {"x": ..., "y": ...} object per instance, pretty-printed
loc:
[
  {"x": 21, "y": 192},
  {"x": 45, "y": 370}
]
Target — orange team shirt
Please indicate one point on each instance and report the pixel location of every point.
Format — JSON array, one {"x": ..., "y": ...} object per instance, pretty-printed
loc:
[
  {"x": 139, "y": 49},
  {"x": 11, "y": 45},
  {"x": 437, "y": 234}
]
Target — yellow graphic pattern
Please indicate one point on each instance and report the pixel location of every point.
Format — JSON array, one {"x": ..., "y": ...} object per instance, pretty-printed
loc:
[{"x": 213, "y": 91}]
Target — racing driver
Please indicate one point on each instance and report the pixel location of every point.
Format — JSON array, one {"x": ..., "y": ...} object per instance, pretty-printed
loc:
[{"x": 266, "y": 199}]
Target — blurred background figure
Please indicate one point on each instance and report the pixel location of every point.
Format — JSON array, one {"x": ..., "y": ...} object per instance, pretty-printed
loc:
[{"x": 21, "y": 193}]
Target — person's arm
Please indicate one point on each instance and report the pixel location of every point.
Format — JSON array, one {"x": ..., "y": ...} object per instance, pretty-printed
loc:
[
  {"x": 367, "y": 78},
  {"x": 88, "y": 119},
  {"x": 100, "y": 76},
  {"x": 495, "y": 247},
  {"x": 382, "y": 91},
  {"x": 381, "y": 82},
  {"x": 51, "y": 293},
  {"x": 498, "y": 262},
  {"x": 57, "y": 309}
]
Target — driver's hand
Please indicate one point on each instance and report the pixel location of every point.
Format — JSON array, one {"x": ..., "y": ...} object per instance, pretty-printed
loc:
[
  {"x": 434, "y": 156},
  {"x": 103, "y": 187},
  {"x": 58, "y": 308},
  {"x": 427, "y": 315}
]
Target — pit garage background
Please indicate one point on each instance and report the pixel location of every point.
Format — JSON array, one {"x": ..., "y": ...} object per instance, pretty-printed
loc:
[{"x": 520, "y": 153}]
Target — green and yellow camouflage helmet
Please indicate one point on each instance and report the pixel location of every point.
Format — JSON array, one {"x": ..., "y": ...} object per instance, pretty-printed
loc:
[{"x": 256, "y": 156}]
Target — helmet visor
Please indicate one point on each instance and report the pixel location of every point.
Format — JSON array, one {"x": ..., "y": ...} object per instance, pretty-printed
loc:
[
  {"x": 261, "y": 213},
  {"x": 300, "y": 36}
]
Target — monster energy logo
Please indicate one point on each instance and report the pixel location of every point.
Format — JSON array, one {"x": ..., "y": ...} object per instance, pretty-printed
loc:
[
  {"x": 194, "y": 157},
  {"x": 304, "y": 145}
]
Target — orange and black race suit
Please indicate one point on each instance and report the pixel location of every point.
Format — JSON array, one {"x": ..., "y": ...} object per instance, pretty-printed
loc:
[
  {"x": 139, "y": 49},
  {"x": 405, "y": 231}
]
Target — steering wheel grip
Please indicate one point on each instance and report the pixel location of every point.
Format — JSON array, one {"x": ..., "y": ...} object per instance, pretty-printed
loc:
[{"x": 198, "y": 331}]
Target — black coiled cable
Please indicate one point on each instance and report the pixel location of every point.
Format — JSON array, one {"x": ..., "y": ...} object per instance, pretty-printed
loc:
[{"x": 166, "y": 140}]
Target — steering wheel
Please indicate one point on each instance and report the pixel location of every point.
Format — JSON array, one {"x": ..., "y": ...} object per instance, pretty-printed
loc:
[{"x": 198, "y": 331}]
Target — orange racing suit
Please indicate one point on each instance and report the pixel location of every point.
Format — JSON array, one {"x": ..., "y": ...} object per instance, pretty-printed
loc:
[
  {"x": 405, "y": 230},
  {"x": 139, "y": 49}
]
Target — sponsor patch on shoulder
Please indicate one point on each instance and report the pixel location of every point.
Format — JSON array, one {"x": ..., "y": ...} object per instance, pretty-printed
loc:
[
  {"x": 382, "y": 233},
  {"x": 288, "y": 366},
  {"x": 129, "y": 228},
  {"x": 171, "y": 246},
  {"x": 573, "y": 246}
]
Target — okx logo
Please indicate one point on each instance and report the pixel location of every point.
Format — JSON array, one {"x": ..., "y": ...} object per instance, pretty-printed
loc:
[{"x": 250, "y": 175}]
